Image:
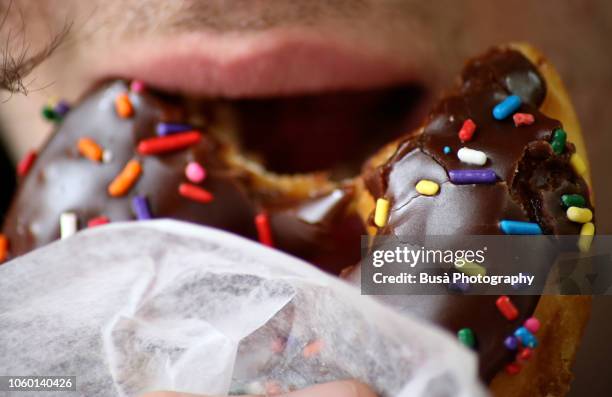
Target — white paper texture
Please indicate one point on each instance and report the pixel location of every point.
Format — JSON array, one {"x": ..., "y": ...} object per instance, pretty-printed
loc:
[{"x": 167, "y": 305}]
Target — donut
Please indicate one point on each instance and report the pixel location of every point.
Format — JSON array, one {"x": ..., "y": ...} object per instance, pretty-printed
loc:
[{"x": 129, "y": 152}]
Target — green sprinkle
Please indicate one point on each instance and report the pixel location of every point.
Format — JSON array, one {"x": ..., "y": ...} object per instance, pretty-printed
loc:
[
  {"x": 573, "y": 200},
  {"x": 49, "y": 114},
  {"x": 466, "y": 336},
  {"x": 558, "y": 141}
]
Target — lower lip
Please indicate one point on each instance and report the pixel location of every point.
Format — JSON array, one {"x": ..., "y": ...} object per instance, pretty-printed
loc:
[{"x": 258, "y": 65}]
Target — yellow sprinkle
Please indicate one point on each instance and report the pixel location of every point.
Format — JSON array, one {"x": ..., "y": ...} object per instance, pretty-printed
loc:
[
  {"x": 471, "y": 269},
  {"x": 586, "y": 237},
  {"x": 52, "y": 101},
  {"x": 578, "y": 164},
  {"x": 382, "y": 212},
  {"x": 579, "y": 215},
  {"x": 427, "y": 188}
]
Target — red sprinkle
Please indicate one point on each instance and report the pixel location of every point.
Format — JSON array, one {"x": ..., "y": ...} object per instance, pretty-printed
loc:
[
  {"x": 522, "y": 119},
  {"x": 26, "y": 163},
  {"x": 195, "y": 193},
  {"x": 262, "y": 223},
  {"x": 524, "y": 354},
  {"x": 169, "y": 143},
  {"x": 100, "y": 220},
  {"x": 513, "y": 368},
  {"x": 467, "y": 130},
  {"x": 506, "y": 307},
  {"x": 4, "y": 247}
]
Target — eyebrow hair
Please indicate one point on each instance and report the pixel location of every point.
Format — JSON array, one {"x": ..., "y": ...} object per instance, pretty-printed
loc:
[{"x": 16, "y": 58}]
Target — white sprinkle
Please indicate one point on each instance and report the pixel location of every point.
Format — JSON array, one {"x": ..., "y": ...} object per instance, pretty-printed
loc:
[
  {"x": 471, "y": 156},
  {"x": 68, "y": 224},
  {"x": 107, "y": 156}
]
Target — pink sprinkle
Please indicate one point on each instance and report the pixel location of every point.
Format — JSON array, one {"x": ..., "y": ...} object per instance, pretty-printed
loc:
[
  {"x": 522, "y": 119},
  {"x": 137, "y": 86},
  {"x": 195, "y": 172},
  {"x": 101, "y": 220},
  {"x": 532, "y": 324}
]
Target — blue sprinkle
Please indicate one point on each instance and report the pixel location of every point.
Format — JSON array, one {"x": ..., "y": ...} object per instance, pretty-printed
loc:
[
  {"x": 519, "y": 227},
  {"x": 141, "y": 208},
  {"x": 525, "y": 337},
  {"x": 164, "y": 129},
  {"x": 447, "y": 150},
  {"x": 506, "y": 107}
]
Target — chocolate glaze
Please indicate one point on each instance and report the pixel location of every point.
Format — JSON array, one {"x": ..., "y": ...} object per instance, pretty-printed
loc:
[
  {"x": 531, "y": 181},
  {"x": 62, "y": 180}
]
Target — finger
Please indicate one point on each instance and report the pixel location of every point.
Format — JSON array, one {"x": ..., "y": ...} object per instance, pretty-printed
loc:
[{"x": 343, "y": 388}]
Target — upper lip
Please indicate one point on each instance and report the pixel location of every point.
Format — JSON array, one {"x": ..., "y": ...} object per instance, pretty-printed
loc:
[{"x": 259, "y": 65}]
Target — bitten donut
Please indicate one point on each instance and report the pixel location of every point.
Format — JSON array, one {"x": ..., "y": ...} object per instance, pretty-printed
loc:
[{"x": 502, "y": 153}]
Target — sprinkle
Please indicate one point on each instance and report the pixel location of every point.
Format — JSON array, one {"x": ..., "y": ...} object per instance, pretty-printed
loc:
[
  {"x": 381, "y": 213},
  {"x": 578, "y": 164},
  {"x": 587, "y": 231},
  {"x": 459, "y": 287},
  {"x": 68, "y": 224},
  {"x": 195, "y": 193},
  {"x": 579, "y": 215},
  {"x": 532, "y": 324},
  {"x": 164, "y": 129},
  {"x": 278, "y": 345},
  {"x": 447, "y": 150},
  {"x": 126, "y": 179},
  {"x": 519, "y": 227},
  {"x": 466, "y": 336},
  {"x": 264, "y": 232},
  {"x": 195, "y": 172},
  {"x": 471, "y": 156},
  {"x": 558, "y": 141},
  {"x": 513, "y": 368},
  {"x": 313, "y": 348},
  {"x": 506, "y": 107},
  {"x": 463, "y": 177},
  {"x": 511, "y": 343},
  {"x": 507, "y": 308},
  {"x": 61, "y": 108},
  {"x": 4, "y": 247},
  {"x": 137, "y": 86},
  {"x": 522, "y": 119},
  {"x": 26, "y": 163},
  {"x": 140, "y": 205},
  {"x": 467, "y": 130},
  {"x": 90, "y": 149},
  {"x": 52, "y": 101},
  {"x": 168, "y": 143},
  {"x": 573, "y": 200},
  {"x": 525, "y": 337},
  {"x": 471, "y": 269},
  {"x": 524, "y": 354},
  {"x": 427, "y": 187},
  {"x": 98, "y": 221},
  {"x": 48, "y": 113},
  {"x": 123, "y": 106},
  {"x": 107, "y": 156}
]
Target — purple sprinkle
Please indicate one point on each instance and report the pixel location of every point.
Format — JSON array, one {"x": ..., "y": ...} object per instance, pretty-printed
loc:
[
  {"x": 141, "y": 208},
  {"x": 164, "y": 129},
  {"x": 61, "y": 108},
  {"x": 511, "y": 343},
  {"x": 463, "y": 177}
]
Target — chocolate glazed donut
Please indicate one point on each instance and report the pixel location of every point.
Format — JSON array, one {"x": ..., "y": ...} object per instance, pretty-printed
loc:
[
  {"x": 320, "y": 220},
  {"x": 531, "y": 177}
]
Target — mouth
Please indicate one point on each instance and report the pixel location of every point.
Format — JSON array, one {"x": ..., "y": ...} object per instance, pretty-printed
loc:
[{"x": 297, "y": 103}]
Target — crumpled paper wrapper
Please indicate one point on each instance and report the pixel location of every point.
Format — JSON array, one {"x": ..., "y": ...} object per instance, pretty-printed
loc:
[{"x": 166, "y": 305}]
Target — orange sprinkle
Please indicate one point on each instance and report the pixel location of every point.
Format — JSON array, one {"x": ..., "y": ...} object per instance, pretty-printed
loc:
[
  {"x": 4, "y": 245},
  {"x": 123, "y": 106},
  {"x": 126, "y": 179},
  {"x": 90, "y": 149},
  {"x": 313, "y": 348}
]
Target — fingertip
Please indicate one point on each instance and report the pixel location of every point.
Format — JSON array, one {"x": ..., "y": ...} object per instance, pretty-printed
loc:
[{"x": 342, "y": 388}]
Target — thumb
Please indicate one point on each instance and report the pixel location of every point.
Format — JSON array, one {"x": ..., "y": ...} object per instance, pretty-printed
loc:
[{"x": 343, "y": 388}]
